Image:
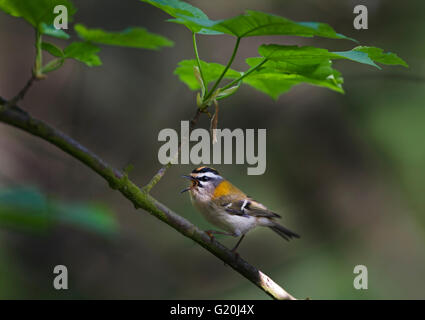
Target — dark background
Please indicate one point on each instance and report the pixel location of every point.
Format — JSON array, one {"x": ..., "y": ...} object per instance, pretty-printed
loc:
[{"x": 347, "y": 172}]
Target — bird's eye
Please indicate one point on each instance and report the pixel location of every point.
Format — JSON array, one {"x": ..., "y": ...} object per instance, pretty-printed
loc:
[{"x": 205, "y": 178}]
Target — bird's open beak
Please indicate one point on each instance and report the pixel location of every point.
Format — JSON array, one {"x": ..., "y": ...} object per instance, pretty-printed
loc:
[{"x": 188, "y": 188}]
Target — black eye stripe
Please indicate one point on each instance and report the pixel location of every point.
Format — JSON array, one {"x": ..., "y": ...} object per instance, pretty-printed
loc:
[{"x": 204, "y": 178}]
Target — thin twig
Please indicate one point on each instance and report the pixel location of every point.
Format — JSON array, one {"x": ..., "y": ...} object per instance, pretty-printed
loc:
[
  {"x": 161, "y": 172},
  {"x": 141, "y": 199},
  {"x": 247, "y": 73},
  {"x": 23, "y": 91}
]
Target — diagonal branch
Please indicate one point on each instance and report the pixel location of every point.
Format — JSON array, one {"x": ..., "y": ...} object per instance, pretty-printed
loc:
[{"x": 141, "y": 199}]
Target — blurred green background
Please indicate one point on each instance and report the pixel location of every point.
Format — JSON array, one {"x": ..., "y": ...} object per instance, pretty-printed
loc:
[{"x": 347, "y": 172}]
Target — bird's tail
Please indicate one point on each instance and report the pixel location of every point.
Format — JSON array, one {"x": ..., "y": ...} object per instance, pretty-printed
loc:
[{"x": 283, "y": 232}]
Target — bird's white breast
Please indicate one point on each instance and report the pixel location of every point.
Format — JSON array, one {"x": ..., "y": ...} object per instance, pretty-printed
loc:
[{"x": 217, "y": 216}]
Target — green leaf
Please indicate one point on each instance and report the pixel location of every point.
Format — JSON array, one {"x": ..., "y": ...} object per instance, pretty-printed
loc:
[
  {"x": 52, "y": 65},
  {"x": 276, "y": 78},
  {"x": 379, "y": 56},
  {"x": 196, "y": 27},
  {"x": 23, "y": 208},
  {"x": 93, "y": 217},
  {"x": 52, "y": 49},
  {"x": 256, "y": 23},
  {"x": 37, "y": 12},
  {"x": 183, "y": 12},
  {"x": 130, "y": 37},
  {"x": 357, "y": 56},
  {"x": 211, "y": 72},
  {"x": 28, "y": 209},
  {"x": 228, "y": 92},
  {"x": 84, "y": 52},
  {"x": 251, "y": 23},
  {"x": 177, "y": 8},
  {"x": 50, "y": 30},
  {"x": 312, "y": 55}
]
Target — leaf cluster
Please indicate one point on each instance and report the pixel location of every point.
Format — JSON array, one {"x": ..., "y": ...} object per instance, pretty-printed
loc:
[
  {"x": 278, "y": 67},
  {"x": 40, "y": 14},
  {"x": 275, "y": 70}
]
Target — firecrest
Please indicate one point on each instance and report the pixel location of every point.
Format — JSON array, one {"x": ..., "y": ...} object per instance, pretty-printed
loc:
[{"x": 228, "y": 208}]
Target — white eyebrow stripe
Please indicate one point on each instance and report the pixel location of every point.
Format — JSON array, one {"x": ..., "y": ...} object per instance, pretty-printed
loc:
[{"x": 206, "y": 174}]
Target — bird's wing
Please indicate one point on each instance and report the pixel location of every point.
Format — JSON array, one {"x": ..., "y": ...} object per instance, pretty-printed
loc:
[
  {"x": 234, "y": 201},
  {"x": 248, "y": 207},
  {"x": 258, "y": 210}
]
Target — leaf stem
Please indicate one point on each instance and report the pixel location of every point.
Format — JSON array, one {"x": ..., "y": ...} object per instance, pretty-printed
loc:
[
  {"x": 195, "y": 47},
  {"x": 247, "y": 73},
  {"x": 38, "y": 55},
  {"x": 235, "y": 49}
]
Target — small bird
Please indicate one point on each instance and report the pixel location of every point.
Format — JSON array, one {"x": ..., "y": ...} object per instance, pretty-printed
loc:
[{"x": 228, "y": 208}]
